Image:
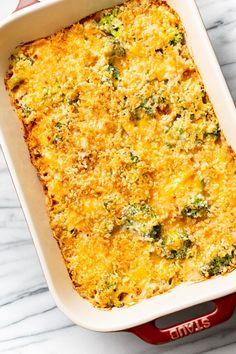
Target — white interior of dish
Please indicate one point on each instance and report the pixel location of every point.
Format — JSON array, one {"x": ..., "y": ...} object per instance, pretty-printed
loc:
[{"x": 41, "y": 20}]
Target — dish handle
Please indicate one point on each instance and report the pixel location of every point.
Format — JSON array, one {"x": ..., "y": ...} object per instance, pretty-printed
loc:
[
  {"x": 224, "y": 308},
  {"x": 24, "y": 3}
]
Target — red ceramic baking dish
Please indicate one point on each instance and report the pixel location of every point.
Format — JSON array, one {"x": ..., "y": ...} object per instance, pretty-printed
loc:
[{"x": 40, "y": 20}]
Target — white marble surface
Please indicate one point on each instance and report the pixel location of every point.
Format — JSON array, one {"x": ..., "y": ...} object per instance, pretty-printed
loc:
[{"x": 29, "y": 320}]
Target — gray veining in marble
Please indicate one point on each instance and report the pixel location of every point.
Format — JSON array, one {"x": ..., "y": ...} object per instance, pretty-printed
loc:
[{"x": 30, "y": 323}]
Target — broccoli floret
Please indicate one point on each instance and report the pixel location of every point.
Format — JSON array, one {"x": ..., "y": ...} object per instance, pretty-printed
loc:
[
  {"x": 141, "y": 219},
  {"x": 27, "y": 59},
  {"x": 135, "y": 159},
  {"x": 22, "y": 58},
  {"x": 198, "y": 208},
  {"x": 136, "y": 208},
  {"x": 110, "y": 24},
  {"x": 149, "y": 106},
  {"x": 217, "y": 265},
  {"x": 178, "y": 38},
  {"x": 26, "y": 110},
  {"x": 118, "y": 49},
  {"x": 156, "y": 231},
  {"x": 180, "y": 254},
  {"x": 108, "y": 204},
  {"x": 215, "y": 133},
  {"x": 56, "y": 139},
  {"x": 114, "y": 71},
  {"x": 141, "y": 111},
  {"x": 138, "y": 218},
  {"x": 146, "y": 108},
  {"x": 176, "y": 245}
]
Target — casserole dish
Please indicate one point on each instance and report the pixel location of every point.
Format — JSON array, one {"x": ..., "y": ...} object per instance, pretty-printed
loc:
[{"x": 65, "y": 13}]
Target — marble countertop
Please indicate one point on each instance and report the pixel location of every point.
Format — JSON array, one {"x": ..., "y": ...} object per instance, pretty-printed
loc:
[{"x": 30, "y": 322}]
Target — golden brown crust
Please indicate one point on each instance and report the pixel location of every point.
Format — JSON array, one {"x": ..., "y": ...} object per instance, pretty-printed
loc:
[{"x": 139, "y": 181}]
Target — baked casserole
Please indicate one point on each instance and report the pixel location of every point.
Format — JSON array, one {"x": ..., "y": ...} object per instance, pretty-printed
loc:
[{"x": 139, "y": 179}]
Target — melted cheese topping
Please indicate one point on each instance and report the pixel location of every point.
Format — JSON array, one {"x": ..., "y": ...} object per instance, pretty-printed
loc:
[{"x": 139, "y": 180}]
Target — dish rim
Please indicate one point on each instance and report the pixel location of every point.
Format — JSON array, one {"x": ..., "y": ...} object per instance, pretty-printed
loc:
[{"x": 98, "y": 326}]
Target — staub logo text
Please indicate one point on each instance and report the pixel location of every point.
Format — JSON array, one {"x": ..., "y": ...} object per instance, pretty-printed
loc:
[{"x": 190, "y": 328}]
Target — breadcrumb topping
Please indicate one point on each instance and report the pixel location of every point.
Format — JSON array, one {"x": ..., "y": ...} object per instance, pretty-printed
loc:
[{"x": 139, "y": 179}]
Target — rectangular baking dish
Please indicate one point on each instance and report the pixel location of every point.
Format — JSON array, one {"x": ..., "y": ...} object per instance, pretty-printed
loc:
[{"x": 41, "y": 20}]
